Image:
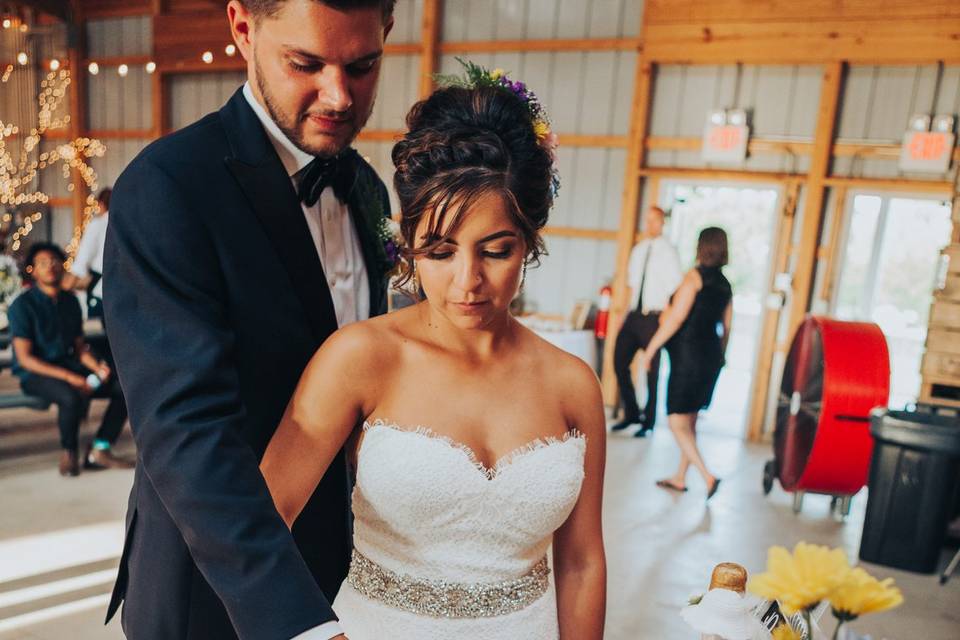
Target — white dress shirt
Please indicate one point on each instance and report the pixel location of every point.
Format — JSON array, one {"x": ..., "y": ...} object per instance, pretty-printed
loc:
[
  {"x": 339, "y": 249},
  {"x": 663, "y": 273},
  {"x": 331, "y": 228},
  {"x": 90, "y": 252}
]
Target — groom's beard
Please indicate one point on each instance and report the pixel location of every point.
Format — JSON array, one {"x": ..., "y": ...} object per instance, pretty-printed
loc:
[{"x": 292, "y": 126}]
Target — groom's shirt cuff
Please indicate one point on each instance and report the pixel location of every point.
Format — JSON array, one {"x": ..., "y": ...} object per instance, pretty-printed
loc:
[{"x": 326, "y": 631}]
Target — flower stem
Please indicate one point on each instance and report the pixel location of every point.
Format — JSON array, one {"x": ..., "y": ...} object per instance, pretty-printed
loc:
[{"x": 836, "y": 632}]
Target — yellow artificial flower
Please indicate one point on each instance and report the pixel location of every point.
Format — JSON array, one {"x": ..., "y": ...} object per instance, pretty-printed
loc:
[
  {"x": 861, "y": 593},
  {"x": 542, "y": 129},
  {"x": 785, "y": 632},
  {"x": 496, "y": 74},
  {"x": 801, "y": 580}
]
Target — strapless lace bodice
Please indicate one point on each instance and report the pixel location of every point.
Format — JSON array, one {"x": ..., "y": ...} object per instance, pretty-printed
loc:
[{"x": 425, "y": 507}]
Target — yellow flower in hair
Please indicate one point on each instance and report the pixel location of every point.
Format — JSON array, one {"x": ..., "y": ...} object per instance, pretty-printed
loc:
[
  {"x": 785, "y": 632},
  {"x": 542, "y": 129},
  {"x": 861, "y": 593},
  {"x": 497, "y": 73},
  {"x": 800, "y": 580}
]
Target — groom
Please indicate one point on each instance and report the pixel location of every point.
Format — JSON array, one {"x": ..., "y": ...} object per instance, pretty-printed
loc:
[{"x": 236, "y": 246}]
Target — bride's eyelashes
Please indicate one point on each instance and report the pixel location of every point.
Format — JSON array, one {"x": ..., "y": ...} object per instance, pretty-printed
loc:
[{"x": 495, "y": 255}]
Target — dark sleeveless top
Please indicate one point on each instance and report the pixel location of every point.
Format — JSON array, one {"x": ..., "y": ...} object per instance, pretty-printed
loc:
[{"x": 696, "y": 349}]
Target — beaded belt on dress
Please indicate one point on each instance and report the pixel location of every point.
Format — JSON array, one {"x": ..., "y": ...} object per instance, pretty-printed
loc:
[{"x": 442, "y": 599}]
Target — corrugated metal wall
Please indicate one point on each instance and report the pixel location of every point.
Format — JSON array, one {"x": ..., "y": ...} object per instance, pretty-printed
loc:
[
  {"x": 877, "y": 105},
  {"x": 781, "y": 100}
]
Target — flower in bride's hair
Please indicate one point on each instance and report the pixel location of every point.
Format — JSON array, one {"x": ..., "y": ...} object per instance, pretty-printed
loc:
[
  {"x": 801, "y": 580},
  {"x": 785, "y": 632},
  {"x": 861, "y": 593},
  {"x": 542, "y": 129}
]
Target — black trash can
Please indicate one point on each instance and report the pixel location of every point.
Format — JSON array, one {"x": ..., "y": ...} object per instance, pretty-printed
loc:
[{"x": 914, "y": 477}]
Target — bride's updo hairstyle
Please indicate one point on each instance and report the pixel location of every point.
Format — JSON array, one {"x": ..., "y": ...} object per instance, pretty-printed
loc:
[{"x": 463, "y": 143}]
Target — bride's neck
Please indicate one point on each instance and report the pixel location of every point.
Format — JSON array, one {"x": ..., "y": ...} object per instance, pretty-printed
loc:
[{"x": 480, "y": 343}]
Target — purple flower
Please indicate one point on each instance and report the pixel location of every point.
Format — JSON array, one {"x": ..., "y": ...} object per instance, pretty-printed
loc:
[{"x": 391, "y": 249}]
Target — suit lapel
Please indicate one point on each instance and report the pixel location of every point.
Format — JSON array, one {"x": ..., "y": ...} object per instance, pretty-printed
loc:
[
  {"x": 268, "y": 188},
  {"x": 360, "y": 217}
]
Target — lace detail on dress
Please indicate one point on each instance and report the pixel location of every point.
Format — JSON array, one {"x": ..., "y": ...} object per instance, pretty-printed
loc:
[{"x": 502, "y": 463}]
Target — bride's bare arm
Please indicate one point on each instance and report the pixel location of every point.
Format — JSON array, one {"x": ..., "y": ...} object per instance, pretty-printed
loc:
[
  {"x": 578, "y": 558},
  {"x": 330, "y": 400}
]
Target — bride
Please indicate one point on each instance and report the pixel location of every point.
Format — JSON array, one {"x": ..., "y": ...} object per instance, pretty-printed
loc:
[{"x": 477, "y": 446}]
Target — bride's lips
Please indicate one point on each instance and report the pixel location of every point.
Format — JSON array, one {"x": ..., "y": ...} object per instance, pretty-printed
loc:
[
  {"x": 327, "y": 124},
  {"x": 469, "y": 307}
]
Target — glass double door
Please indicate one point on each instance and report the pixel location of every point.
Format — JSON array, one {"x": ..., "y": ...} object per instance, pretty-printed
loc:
[{"x": 889, "y": 262}]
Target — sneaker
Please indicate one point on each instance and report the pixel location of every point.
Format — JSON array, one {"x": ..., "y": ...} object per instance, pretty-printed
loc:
[
  {"x": 69, "y": 464},
  {"x": 104, "y": 459}
]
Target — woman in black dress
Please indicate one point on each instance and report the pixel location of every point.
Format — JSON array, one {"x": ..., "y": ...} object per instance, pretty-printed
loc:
[{"x": 690, "y": 329}]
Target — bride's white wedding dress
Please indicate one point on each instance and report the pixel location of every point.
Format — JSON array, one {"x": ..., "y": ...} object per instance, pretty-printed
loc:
[{"x": 447, "y": 548}]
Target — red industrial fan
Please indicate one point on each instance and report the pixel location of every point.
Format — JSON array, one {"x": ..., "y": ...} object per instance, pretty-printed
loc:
[{"x": 835, "y": 374}]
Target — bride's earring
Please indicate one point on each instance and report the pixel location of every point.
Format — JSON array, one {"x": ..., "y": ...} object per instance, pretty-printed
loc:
[{"x": 523, "y": 278}]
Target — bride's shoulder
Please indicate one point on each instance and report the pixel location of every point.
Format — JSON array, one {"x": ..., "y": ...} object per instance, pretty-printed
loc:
[
  {"x": 565, "y": 370},
  {"x": 360, "y": 345}
]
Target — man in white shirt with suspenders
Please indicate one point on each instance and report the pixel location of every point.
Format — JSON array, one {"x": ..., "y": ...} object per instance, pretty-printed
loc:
[{"x": 653, "y": 275}]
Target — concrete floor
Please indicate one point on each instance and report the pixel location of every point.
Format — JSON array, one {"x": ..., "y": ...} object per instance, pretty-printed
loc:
[{"x": 60, "y": 539}]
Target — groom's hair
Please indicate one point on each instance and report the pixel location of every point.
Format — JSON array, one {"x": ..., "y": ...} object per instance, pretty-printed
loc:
[{"x": 269, "y": 8}]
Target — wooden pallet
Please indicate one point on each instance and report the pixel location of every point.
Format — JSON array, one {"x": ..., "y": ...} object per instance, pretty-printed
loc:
[
  {"x": 945, "y": 314},
  {"x": 942, "y": 391},
  {"x": 941, "y": 366}
]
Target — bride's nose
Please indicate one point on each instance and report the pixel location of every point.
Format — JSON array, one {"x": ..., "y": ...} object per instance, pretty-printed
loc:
[
  {"x": 468, "y": 274},
  {"x": 334, "y": 89}
]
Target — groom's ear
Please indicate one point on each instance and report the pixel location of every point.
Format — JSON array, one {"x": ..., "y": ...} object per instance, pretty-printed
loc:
[
  {"x": 241, "y": 26},
  {"x": 387, "y": 28}
]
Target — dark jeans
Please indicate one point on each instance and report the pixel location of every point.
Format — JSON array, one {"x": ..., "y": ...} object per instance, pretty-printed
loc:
[
  {"x": 636, "y": 333},
  {"x": 72, "y": 407}
]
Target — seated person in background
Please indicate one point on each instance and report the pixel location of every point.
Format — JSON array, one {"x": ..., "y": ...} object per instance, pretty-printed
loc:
[{"x": 53, "y": 362}]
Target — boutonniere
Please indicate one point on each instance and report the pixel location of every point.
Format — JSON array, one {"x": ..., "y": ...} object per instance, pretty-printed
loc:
[
  {"x": 390, "y": 240},
  {"x": 384, "y": 233}
]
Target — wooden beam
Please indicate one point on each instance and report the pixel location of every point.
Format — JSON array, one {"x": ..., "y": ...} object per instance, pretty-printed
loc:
[
  {"x": 775, "y": 41},
  {"x": 673, "y": 11},
  {"x": 97, "y": 9},
  {"x": 629, "y": 214},
  {"x": 115, "y": 61},
  {"x": 121, "y": 134},
  {"x": 158, "y": 104},
  {"x": 430, "y": 41},
  {"x": 936, "y": 187},
  {"x": 830, "y": 91},
  {"x": 78, "y": 111},
  {"x": 380, "y": 135},
  {"x": 832, "y": 253},
  {"x": 584, "y": 44},
  {"x": 763, "y": 367},
  {"x": 720, "y": 174},
  {"x": 576, "y": 140}
]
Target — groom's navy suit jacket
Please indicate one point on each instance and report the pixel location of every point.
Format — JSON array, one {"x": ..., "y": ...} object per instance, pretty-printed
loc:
[{"x": 215, "y": 301}]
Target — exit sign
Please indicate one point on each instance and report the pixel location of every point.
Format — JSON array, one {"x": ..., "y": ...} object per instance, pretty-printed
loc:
[
  {"x": 726, "y": 143},
  {"x": 926, "y": 151}
]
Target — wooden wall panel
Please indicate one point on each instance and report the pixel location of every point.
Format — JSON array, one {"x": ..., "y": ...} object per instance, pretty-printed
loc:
[
  {"x": 805, "y": 41},
  {"x": 112, "y": 8},
  {"x": 674, "y": 11},
  {"x": 180, "y": 39}
]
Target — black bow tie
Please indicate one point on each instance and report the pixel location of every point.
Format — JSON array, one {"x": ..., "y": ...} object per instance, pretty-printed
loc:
[{"x": 321, "y": 173}]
